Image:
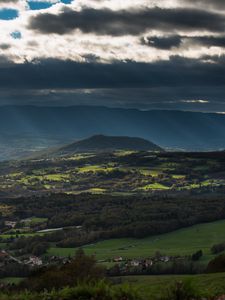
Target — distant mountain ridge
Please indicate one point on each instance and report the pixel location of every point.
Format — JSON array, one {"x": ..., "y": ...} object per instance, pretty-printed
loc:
[
  {"x": 109, "y": 143},
  {"x": 192, "y": 131}
]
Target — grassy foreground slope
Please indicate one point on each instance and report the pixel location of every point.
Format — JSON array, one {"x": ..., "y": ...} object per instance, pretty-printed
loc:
[
  {"x": 154, "y": 287},
  {"x": 180, "y": 242},
  {"x": 206, "y": 286}
]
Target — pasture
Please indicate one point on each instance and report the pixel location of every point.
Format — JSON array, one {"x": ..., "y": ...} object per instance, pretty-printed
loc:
[{"x": 180, "y": 242}]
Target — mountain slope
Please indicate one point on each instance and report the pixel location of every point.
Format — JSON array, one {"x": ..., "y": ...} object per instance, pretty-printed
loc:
[
  {"x": 62, "y": 125},
  {"x": 107, "y": 143}
]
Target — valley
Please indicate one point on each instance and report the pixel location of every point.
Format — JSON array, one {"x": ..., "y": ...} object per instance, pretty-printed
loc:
[
  {"x": 138, "y": 213},
  {"x": 112, "y": 150}
]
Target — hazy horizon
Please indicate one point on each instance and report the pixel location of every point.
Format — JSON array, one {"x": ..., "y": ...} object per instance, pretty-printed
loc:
[{"x": 110, "y": 107}]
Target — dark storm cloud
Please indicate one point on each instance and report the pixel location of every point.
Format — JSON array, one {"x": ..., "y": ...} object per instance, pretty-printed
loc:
[
  {"x": 169, "y": 42},
  {"x": 210, "y": 41},
  {"x": 164, "y": 43},
  {"x": 9, "y": 1},
  {"x": 117, "y": 23},
  {"x": 5, "y": 46},
  {"x": 162, "y": 84},
  {"x": 51, "y": 73}
]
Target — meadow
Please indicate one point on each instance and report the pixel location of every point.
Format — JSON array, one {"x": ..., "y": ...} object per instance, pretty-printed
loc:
[{"x": 180, "y": 242}]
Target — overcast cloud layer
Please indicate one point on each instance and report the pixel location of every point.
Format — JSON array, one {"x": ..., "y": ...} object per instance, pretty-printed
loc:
[{"x": 133, "y": 53}]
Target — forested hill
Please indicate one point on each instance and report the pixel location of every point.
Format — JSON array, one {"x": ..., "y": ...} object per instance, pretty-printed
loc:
[
  {"x": 108, "y": 143},
  {"x": 24, "y": 128}
]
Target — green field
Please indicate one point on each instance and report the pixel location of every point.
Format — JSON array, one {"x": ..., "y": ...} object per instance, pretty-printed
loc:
[
  {"x": 154, "y": 186},
  {"x": 152, "y": 287},
  {"x": 181, "y": 242},
  {"x": 16, "y": 235},
  {"x": 11, "y": 280},
  {"x": 34, "y": 221}
]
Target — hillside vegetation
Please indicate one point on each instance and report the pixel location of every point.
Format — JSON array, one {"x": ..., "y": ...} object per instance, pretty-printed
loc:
[{"x": 116, "y": 172}]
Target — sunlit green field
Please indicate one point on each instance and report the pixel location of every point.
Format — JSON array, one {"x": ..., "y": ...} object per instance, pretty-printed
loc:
[
  {"x": 181, "y": 242},
  {"x": 154, "y": 186},
  {"x": 13, "y": 235},
  {"x": 116, "y": 172}
]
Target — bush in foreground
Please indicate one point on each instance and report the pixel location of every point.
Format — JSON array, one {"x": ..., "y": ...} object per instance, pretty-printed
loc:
[
  {"x": 82, "y": 268},
  {"x": 182, "y": 290},
  {"x": 88, "y": 291}
]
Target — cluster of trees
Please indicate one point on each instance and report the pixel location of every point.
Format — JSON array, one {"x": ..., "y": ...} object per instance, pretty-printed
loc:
[
  {"x": 105, "y": 216},
  {"x": 218, "y": 248},
  {"x": 197, "y": 255},
  {"x": 36, "y": 245},
  {"x": 82, "y": 268},
  {"x": 135, "y": 215}
]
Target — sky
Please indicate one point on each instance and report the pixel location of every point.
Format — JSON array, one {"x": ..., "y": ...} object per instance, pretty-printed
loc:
[{"x": 146, "y": 54}]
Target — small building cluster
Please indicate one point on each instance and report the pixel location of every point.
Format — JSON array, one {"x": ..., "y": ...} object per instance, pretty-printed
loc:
[
  {"x": 33, "y": 261},
  {"x": 141, "y": 265}
]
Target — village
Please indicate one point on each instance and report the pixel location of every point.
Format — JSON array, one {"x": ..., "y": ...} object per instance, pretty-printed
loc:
[
  {"x": 23, "y": 262},
  {"x": 117, "y": 266}
]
